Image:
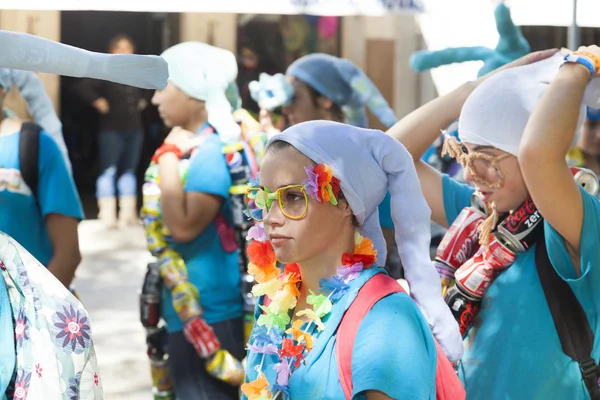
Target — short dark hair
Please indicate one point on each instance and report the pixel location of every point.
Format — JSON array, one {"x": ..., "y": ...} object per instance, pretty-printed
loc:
[{"x": 116, "y": 39}]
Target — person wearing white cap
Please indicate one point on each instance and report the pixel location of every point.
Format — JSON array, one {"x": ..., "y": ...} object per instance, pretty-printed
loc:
[
  {"x": 321, "y": 183},
  {"x": 196, "y": 210},
  {"x": 536, "y": 275}
]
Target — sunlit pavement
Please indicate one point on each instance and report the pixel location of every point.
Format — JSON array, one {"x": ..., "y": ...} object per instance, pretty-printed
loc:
[{"x": 108, "y": 281}]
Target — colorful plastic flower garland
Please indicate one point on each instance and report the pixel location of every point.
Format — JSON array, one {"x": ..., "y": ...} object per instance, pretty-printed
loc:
[{"x": 283, "y": 290}]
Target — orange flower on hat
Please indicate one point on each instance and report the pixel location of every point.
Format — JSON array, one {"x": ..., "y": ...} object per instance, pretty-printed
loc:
[{"x": 324, "y": 176}]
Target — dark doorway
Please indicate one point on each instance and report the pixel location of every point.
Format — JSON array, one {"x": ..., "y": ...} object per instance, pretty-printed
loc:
[{"x": 92, "y": 30}]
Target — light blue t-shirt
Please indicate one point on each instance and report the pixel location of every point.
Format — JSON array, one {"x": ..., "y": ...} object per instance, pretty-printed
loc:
[
  {"x": 214, "y": 272},
  {"x": 512, "y": 351},
  {"x": 20, "y": 215},
  {"x": 394, "y": 352}
]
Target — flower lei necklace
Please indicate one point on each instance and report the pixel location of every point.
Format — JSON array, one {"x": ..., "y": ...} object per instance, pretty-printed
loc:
[{"x": 283, "y": 291}]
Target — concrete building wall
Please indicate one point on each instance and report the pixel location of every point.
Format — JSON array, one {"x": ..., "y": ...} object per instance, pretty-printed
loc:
[
  {"x": 216, "y": 29},
  {"x": 382, "y": 47}
]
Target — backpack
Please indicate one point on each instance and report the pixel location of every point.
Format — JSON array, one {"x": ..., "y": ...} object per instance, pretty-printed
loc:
[
  {"x": 29, "y": 150},
  {"x": 572, "y": 326},
  {"x": 447, "y": 384}
]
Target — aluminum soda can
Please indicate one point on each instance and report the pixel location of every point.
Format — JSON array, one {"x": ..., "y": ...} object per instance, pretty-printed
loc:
[
  {"x": 172, "y": 268},
  {"x": 238, "y": 163},
  {"x": 520, "y": 230},
  {"x": 154, "y": 238},
  {"x": 161, "y": 380},
  {"x": 151, "y": 196},
  {"x": 463, "y": 308},
  {"x": 476, "y": 276},
  {"x": 150, "y": 297},
  {"x": 223, "y": 366},
  {"x": 186, "y": 302},
  {"x": 587, "y": 179},
  {"x": 460, "y": 242}
]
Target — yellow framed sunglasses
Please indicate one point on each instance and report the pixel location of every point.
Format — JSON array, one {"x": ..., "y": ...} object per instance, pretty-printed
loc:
[{"x": 292, "y": 199}]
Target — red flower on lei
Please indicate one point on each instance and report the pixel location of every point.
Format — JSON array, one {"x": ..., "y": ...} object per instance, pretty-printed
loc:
[{"x": 288, "y": 349}]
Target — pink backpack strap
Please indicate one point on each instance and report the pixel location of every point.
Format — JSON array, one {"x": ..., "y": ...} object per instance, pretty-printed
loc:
[
  {"x": 376, "y": 288},
  {"x": 447, "y": 384}
]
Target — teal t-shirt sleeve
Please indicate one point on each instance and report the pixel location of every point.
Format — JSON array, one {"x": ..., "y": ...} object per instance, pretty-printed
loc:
[
  {"x": 385, "y": 212},
  {"x": 57, "y": 192},
  {"x": 394, "y": 351},
  {"x": 456, "y": 197},
  {"x": 208, "y": 172},
  {"x": 586, "y": 284}
]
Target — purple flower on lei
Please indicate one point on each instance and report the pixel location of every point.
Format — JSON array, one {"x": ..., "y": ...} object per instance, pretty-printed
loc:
[
  {"x": 257, "y": 232},
  {"x": 283, "y": 372},
  {"x": 73, "y": 389},
  {"x": 72, "y": 330},
  {"x": 335, "y": 285},
  {"x": 268, "y": 349},
  {"x": 311, "y": 184},
  {"x": 349, "y": 273},
  {"x": 21, "y": 328}
]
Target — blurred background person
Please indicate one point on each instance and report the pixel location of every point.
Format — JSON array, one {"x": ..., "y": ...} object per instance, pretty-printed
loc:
[{"x": 119, "y": 141}]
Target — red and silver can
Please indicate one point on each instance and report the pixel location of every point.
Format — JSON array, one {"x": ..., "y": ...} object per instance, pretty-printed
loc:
[
  {"x": 462, "y": 239},
  {"x": 476, "y": 276},
  {"x": 587, "y": 179},
  {"x": 463, "y": 308},
  {"x": 521, "y": 228},
  {"x": 150, "y": 297}
]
